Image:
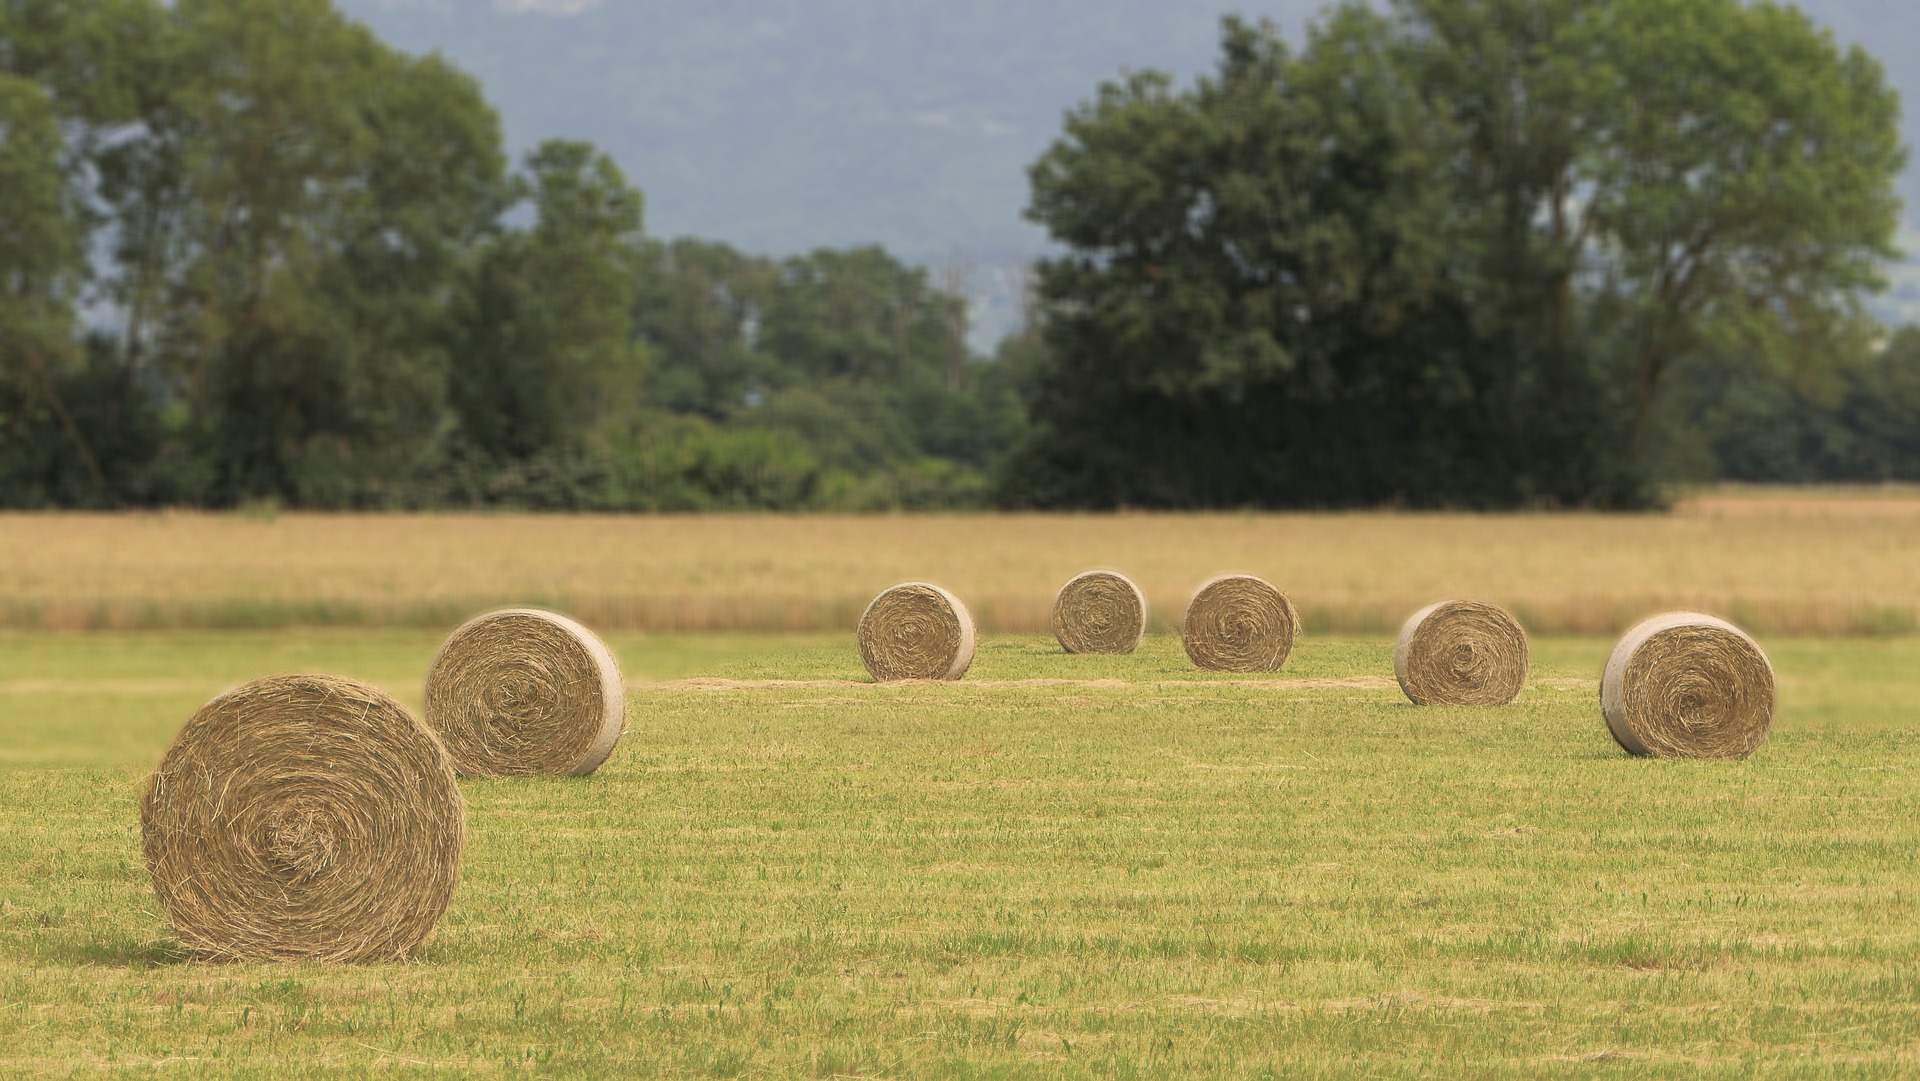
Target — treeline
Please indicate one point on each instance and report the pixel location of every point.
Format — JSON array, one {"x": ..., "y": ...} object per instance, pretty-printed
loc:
[
  {"x": 1477, "y": 253},
  {"x": 1855, "y": 417},
  {"x": 251, "y": 253}
]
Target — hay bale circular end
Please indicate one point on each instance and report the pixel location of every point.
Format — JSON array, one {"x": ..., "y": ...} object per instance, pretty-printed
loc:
[
  {"x": 1461, "y": 653},
  {"x": 1686, "y": 685},
  {"x": 916, "y": 631},
  {"x": 303, "y": 818},
  {"x": 521, "y": 691},
  {"x": 1239, "y": 623},
  {"x": 1100, "y": 612}
]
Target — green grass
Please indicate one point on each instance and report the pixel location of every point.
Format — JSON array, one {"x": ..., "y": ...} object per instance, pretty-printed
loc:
[{"x": 1183, "y": 876}]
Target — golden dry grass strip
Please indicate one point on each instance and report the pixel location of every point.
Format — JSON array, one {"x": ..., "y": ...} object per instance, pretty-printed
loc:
[{"x": 1776, "y": 564}]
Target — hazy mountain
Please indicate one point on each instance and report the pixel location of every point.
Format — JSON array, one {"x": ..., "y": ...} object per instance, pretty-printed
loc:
[{"x": 782, "y": 125}]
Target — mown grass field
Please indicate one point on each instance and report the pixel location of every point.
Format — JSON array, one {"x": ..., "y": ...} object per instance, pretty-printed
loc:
[
  {"x": 1780, "y": 563},
  {"x": 1146, "y": 873}
]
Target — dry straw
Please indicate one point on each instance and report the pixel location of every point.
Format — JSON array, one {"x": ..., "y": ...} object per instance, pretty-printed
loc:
[
  {"x": 303, "y": 818},
  {"x": 1239, "y": 623},
  {"x": 1686, "y": 685},
  {"x": 520, "y": 692},
  {"x": 1461, "y": 653},
  {"x": 1100, "y": 612},
  {"x": 916, "y": 631}
]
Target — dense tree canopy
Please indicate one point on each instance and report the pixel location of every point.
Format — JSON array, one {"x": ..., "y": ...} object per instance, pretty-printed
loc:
[
  {"x": 1448, "y": 253},
  {"x": 1462, "y": 252},
  {"x": 250, "y": 252}
]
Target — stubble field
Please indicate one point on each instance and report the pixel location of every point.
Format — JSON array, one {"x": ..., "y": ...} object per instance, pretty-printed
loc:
[
  {"x": 1781, "y": 563},
  {"x": 1062, "y": 866}
]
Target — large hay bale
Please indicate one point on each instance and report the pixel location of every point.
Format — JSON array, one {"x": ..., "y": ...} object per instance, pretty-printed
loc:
[
  {"x": 1239, "y": 623},
  {"x": 521, "y": 691},
  {"x": 1461, "y": 653},
  {"x": 1686, "y": 685},
  {"x": 303, "y": 818},
  {"x": 1100, "y": 612},
  {"x": 916, "y": 631}
]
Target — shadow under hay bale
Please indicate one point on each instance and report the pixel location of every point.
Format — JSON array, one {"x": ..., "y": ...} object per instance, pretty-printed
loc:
[
  {"x": 521, "y": 692},
  {"x": 1686, "y": 685},
  {"x": 1239, "y": 623},
  {"x": 1099, "y": 612},
  {"x": 1461, "y": 653},
  {"x": 303, "y": 818},
  {"x": 916, "y": 631}
]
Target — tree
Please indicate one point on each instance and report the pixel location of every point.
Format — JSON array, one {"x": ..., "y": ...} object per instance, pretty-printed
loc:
[
  {"x": 286, "y": 215},
  {"x": 1446, "y": 254},
  {"x": 1856, "y": 419},
  {"x": 699, "y": 306},
  {"x": 42, "y": 267},
  {"x": 1710, "y": 169},
  {"x": 548, "y": 347},
  {"x": 866, "y": 344},
  {"x": 68, "y": 88},
  {"x": 855, "y": 363},
  {"x": 859, "y": 313}
]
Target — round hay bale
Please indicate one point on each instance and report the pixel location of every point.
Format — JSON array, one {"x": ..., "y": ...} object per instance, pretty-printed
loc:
[
  {"x": 1100, "y": 612},
  {"x": 1686, "y": 685},
  {"x": 520, "y": 692},
  {"x": 1239, "y": 623},
  {"x": 916, "y": 631},
  {"x": 303, "y": 818},
  {"x": 1461, "y": 653}
]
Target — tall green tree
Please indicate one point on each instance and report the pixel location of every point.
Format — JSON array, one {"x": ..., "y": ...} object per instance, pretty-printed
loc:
[
  {"x": 548, "y": 349},
  {"x": 1708, "y": 170},
  {"x": 699, "y": 306},
  {"x": 42, "y": 269},
  {"x": 1254, "y": 289},
  {"x": 69, "y": 88},
  {"x": 1447, "y": 253},
  {"x": 861, "y": 346},
  {"x": 312, "y": 190}
]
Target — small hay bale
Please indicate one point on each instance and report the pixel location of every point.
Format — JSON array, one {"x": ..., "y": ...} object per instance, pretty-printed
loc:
[
  {"x": 521, "y": 692},
  {"x": 1686, "y": 685},
  {"x": 303, "y": 818},
  {"x": 916, "y": 631},
  {"x": 1461, "y": 653},
  {"x": 1100, "y": 612},
  {"x": 1239, "y": 623}
]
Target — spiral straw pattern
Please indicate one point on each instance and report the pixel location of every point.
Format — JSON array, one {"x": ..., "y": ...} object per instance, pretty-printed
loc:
[
  {"x": 1461, "y": 653},
  {"x": 1100, "y": 612},
  {"x": 522, "y": 691},
  {"x": 1239, "y": 623},
  {"x": 303, "y": 818},
  {"x": 916, "y": 631},
  {"x": 1686, "y": 685}
]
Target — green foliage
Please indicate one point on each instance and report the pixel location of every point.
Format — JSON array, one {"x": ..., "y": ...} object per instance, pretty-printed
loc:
[
  {"x": 317, "y": 295},
  {"x": 1857, "y": 419},
  {"x": 1470, "y": 252},
  {"x": 1747, "y": 195},
  {"x": 1447, "y": 254},
  {"x": 285, "y": 216},
  {"x": 42, "y": 270},
  {"x": 545, "y": 342},
  {"x": 850, "y": 355},
  {"x": 698, "y": 306}
]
